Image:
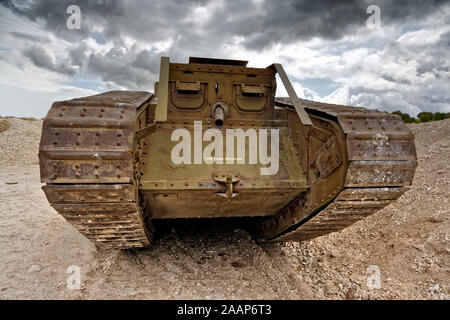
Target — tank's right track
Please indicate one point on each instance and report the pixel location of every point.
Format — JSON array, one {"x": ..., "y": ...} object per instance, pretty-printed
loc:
[
  {"x": 86, "y": 159},
  {"x": 382, "y": 161}
]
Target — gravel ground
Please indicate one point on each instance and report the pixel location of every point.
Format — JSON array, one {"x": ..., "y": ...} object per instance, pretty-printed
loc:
[
  {"x": 19, "y": 144},
  {"x": 407, "y": 242}
]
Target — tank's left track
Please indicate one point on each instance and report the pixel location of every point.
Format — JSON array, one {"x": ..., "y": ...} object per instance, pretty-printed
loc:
[{"x": 86, "y": 160}]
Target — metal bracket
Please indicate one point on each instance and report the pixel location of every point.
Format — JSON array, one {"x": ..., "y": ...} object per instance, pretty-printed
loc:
[
  {"x": 146, "y": 131},
  {"x": 303, "y": 115},
  {"x": 229, "y": 179},
  {"x": 163, "y": 90},
  {"x": 327, "y": 158}
]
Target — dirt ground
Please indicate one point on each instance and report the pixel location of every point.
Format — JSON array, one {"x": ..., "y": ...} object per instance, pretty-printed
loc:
[{"x": 407, "y": 242}]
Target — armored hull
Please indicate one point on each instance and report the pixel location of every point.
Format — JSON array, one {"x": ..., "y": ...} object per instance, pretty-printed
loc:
[{"x": 213, "y": 141}]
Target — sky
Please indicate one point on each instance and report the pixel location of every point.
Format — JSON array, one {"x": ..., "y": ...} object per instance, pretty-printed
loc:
[{"x": 333, "y": 51}]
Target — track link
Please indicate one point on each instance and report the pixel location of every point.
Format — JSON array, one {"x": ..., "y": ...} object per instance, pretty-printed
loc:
[
  {"x": 382, "y": 161},
  {"x": 86, "y": 161}
]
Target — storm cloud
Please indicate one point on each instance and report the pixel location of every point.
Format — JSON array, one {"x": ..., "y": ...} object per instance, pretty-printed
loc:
[{"x": 325, "y": 45}]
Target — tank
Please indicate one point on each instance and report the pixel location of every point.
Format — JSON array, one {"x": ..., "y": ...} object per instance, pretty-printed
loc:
[{"x": 214, "y": 141}]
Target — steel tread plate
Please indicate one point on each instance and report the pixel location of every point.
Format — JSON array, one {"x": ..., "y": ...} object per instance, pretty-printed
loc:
[
  {"x": 86, "y": 157},
  {"x": 382, "y": 159},
  {"x": 76, "y": 193},
  {"x": 90, "y": 139}
]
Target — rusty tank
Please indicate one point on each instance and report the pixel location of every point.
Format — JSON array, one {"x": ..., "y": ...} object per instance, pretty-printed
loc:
[{"x": 214, "y": 141}]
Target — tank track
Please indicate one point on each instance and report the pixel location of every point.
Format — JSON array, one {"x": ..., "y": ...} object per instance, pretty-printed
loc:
[
  {"x": 86, "y": 160},
  {"x": 382, "y": 161}
]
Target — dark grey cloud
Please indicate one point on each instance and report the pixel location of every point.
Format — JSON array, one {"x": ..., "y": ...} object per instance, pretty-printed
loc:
[
  {"x": 116, "y": 66},
  {"x": 258, "y": 24},
  {"x": 261, "y": 23},
  {"x": 147, "y": 60},
  {"x": 44, "y": 59}
]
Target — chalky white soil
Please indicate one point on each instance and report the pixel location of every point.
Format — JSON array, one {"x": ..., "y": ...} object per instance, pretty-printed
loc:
[{"x": 408, "y": 242}]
